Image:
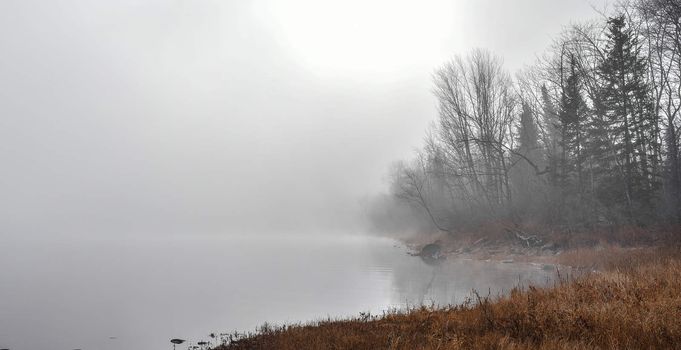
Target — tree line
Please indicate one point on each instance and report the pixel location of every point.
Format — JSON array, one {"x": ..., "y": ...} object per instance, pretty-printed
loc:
[{"x": 586, "y": 136}]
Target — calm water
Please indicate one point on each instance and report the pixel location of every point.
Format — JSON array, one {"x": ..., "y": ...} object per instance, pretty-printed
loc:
[{"x": 139, "y": 293}]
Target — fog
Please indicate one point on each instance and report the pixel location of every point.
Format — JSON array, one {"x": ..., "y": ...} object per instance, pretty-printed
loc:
[
  {"x": 157, "y": 117},
  {"x": 165, "y": 164}
]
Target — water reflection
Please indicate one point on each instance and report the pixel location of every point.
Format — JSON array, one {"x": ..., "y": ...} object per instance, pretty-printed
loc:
[
  {"x": 114, "y": 294},
  {"x": 440, "y": 281}
]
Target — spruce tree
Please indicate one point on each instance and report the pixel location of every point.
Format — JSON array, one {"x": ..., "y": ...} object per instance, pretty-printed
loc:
[
  {"x": 527, "y": 161},
  {"x": 552, "y": 137},
  {"x": 629, "y": 121},
  {"x": 572, "y": 116}
]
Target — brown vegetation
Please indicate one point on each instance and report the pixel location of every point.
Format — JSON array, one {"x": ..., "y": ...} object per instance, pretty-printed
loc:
[
  {"x": 563, "y": 245},
  {"x": 633, "y": 302}
]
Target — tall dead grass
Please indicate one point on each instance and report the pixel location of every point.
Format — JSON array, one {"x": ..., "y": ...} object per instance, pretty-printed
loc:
[{"x": 633, "y": 302}]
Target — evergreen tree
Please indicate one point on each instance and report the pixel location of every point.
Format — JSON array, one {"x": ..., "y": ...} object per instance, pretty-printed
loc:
[
  {"x": 572, "y": 115},
  {"x": 528, "y": 135},
  {"x": 553, "y": 136},
  {"x": 528, "y": 161},
  {"x": 628, "y": 121}
]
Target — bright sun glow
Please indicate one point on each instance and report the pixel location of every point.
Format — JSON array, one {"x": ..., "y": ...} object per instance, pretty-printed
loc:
[{"x": 363, "y": 36}]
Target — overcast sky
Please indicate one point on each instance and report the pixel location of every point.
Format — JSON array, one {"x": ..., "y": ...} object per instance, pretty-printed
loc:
[{"x": 192, "y": 116}]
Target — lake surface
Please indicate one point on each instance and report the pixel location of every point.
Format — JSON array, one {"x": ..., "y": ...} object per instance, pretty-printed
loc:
[{"x": 139, "y": 293}]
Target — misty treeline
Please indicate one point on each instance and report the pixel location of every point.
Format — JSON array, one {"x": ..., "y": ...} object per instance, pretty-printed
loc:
[{"x": 586, "y": 136}]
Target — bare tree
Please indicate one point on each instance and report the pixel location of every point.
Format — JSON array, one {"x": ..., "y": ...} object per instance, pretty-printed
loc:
[
  {"x": 660, "y": 28},
  {"x": 476, "y": 111}
]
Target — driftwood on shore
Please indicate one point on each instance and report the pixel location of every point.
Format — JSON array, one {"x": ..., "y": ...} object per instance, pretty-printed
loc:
[{"x": 528, "y": 240}]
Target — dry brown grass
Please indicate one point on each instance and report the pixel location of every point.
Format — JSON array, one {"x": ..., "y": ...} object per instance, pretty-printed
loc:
[
  {"x": 634, "y": 302},
  {"x": 624, "y": 236},
  {"x": 567, "y": 238}
]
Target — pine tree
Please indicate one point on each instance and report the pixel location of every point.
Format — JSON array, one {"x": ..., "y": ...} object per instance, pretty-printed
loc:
[
  {"x": 528, "y": 135},
  {"x": 552, "y": 138},
  {"x": 527, "y": 160},
  {"x": 572, "y": 118},
  {"x": 629, "y": 122}
]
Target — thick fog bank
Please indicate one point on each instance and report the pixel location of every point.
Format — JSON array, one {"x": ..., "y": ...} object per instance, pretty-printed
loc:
[{"x": 184, "y": 117}]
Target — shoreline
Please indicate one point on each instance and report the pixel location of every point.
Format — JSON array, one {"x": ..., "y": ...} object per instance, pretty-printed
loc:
[
  {"x": 531, "y": 244},
  {"x": 604, "y": 304}
]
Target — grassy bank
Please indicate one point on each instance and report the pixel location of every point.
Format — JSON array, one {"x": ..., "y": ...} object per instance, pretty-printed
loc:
[
  {"x": 632, "y": 301},
  {"x": 504, "y": 240}
]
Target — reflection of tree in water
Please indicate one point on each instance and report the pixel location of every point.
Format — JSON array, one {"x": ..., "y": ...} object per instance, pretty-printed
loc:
[
  {"x": 442, "y": 282},
  {"x": 436, "y": 265}
]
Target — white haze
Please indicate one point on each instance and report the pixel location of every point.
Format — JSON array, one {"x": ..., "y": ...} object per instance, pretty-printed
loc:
[{"x": 155, "y": 117}]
